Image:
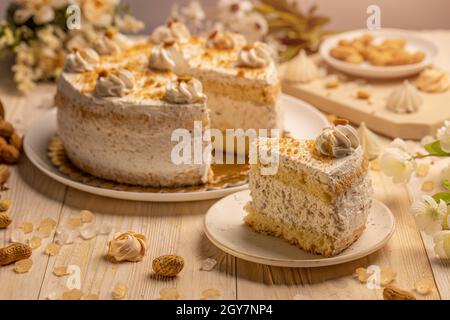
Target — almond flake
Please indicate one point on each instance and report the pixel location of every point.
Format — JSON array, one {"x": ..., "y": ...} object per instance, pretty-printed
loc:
[
  {"x": 86, "y": 216},
  {"x": 75, "y": 222},
  {"x": 362, "y": 275},
  {"x": 45, "y": 230},
  {"x": 74, "y": 294},
  {"x": 23, "y": 266},
  {"x": 210, "y": 294},
  {"x": 35, "y": 242},
  {"x": 52, "y": 249},
  {"x": 169, "y": 294},
  {"x": 387, "y": 276},
  {"x": 88, "y": 232},
  {"x": 208, "y": 264},
  {"x": 120, "y": 291},
  {"x": 423, "y": 286},
  {"x": 90, "y": 296},
  {"x": 61, "y": 271},
  {"x": 48, "y": 222},
  {"x": 53, "y": 296},
  {"x": 27, "y": 227},
  {"x": 427, "y": 186},
  {"x": 422, "y": 170}
]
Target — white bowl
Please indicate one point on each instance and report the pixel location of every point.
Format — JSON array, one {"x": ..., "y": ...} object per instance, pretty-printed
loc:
[{"x": 366, "y": 70}]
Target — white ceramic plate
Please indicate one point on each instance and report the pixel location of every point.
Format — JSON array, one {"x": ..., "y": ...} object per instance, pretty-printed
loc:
[
  {"x": 225, "y": 228},
  {"x": 301, "y": 119},
  {"x": 366, "y": 70}
]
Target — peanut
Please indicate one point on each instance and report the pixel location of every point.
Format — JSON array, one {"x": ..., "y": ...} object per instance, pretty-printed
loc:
[
  {"x": 6, "y": 129},
  {"x": 393, "y": 293},
  {"x": 2, "y": 110},
  {"x": 13, "y": 253},
  {"x": 168, "y": 265},
  {"x": 5, "y": 220},
  {"x": 16, "y": 141},
  {"x": 5, "y": 204},
  {"x": 4, "y": 174},
  {"x": 9, "y": 154}
]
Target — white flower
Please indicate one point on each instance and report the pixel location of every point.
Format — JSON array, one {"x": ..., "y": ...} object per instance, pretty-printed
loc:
[
  {"x": 442, "y": 244},
  {"x": 99, "y": 12},
  {"x": 396, "y": 162},
  {"x": 42, "y": 11},
  {"x": 443, "y": 134},
  {"x": 429, "y": 214}
]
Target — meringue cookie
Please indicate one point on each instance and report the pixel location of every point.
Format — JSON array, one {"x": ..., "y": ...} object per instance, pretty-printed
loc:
[
  {"x": 338, "y": 141},
  {"x": 404, "y": 99},
  {"x": 369, "y": 141},
  {"x": 433, "y": 80},
  {"x": 175, "y": 31},
  {"x": 184, "y": 90},
  {"x": 301, "y": 69},
  {"x": 162, "y": 59},
  {"x": 128, "y": 246},
  {"x": 225, "y": 40},
  {"x": 257, "y": 55},
  {"x": 81, "y": 61},
  {"x": 114, "y": 85},
  {"x": 106, "y": 45}
]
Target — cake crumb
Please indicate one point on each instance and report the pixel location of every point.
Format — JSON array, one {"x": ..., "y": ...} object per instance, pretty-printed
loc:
[
  {"x": 423, "y": 286},
  {"x": 332, "y": 84},
  {"x": 362, "y": 94}
]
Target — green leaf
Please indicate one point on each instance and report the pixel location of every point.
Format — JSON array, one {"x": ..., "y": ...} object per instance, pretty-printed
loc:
[
  {"x": 434, "y": 148},
  {"x": 445, "y": 196},
  {"x": 446, "y": 184}
]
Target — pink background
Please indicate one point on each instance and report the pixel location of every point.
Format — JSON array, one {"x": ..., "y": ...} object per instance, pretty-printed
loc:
[{"x": 345, "y": 14}]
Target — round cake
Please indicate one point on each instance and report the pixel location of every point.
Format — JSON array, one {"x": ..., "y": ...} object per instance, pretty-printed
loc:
[{"x": 121, "y": 103}]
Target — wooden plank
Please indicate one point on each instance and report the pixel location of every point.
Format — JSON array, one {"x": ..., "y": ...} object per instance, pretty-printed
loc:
[{"x": 169, "y": 228}]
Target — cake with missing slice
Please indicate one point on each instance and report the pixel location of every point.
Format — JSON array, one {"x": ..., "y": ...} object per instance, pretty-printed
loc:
[{"x": 319, "y": 198}]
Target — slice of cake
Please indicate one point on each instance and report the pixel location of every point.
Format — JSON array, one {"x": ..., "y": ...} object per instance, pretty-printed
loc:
[{"x": 319, "y": 198}]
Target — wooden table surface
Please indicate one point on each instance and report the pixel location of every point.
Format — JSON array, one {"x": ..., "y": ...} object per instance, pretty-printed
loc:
[{"x": 178, "y": 228}]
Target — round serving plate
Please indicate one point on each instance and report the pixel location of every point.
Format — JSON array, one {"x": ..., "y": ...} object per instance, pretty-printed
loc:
[
  {"x": 300, "y": 119},
  {"x": 366, "y": 70},
  {"x": 225, "y": 228}
]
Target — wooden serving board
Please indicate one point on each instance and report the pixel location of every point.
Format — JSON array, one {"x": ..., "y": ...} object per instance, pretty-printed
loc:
[{"x": 342, "y": 102}]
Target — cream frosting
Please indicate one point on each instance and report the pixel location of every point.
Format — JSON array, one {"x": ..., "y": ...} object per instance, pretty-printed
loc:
[
  {"x": 257, "y": 55},
  {"x": 301, "y": 69},
  {"x": 184, "y": 91},
  {"x": 128, "y": 246},
  {"x": 225, "y": 40},
  {"x": 433, "y": 80},
  {"x": 105, "y": 45},
  {"x": 81, "y": 61},
  {"x": 404, "y": 99},
  {"x": 175, "y": 31},
  {"x": 162, "y": 59},
  {"x": 370, "y": 142},
  {"x": 338, "y": 141},
  {"x": 114, "y": 85}
]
